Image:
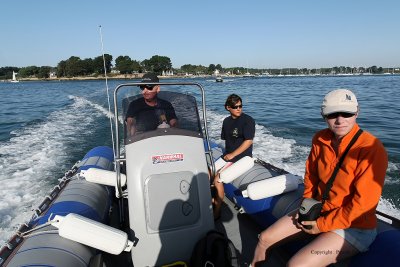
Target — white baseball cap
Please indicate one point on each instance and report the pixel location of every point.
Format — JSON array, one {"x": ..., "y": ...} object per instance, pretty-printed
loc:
[{"x": 339, "y": 100}]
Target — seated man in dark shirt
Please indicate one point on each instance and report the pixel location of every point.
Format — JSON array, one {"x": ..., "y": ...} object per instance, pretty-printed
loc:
[{"x": 149, "y": 112}]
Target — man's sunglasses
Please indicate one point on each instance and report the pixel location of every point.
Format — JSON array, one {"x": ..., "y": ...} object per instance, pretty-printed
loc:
[
  {"x": 337, "y": 114},
  {"x": 236, "y": 107},
  {"x": 148, "y": 87}
]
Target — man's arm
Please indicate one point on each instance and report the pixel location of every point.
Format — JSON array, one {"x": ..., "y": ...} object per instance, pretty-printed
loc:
[
  {"x": 130, "y": 126},
  {"x": 245, "y": 145},
  {"x": 170, "y": 113}
]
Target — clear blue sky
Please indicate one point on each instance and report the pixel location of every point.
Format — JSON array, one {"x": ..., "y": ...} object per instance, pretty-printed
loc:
[{"x": 259, "y": 34}]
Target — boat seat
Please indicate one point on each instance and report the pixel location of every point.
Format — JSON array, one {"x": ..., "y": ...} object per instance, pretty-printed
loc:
[{"x": 382, "y": 252}]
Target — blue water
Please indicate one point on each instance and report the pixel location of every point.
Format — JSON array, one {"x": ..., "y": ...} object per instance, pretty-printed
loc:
[{"x": 45, "y": 127}]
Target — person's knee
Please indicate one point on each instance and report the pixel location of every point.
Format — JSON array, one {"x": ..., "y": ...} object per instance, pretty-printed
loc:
[{"x": 267, "y": 238}]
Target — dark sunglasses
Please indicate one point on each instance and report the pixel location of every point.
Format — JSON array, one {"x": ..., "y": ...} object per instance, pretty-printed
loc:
[
  {"x": 337, "y": 114},
  {"x": 148, "y": 87},
  {"x": 236, "y": 107}
]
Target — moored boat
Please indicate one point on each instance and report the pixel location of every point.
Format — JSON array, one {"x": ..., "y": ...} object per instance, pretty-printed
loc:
[{"x": 248, "y": 75}]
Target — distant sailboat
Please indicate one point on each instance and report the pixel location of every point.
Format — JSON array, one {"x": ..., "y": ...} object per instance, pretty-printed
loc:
[
  {"x": 14, "y": 79},
  {"x": 248, "y": 74}
]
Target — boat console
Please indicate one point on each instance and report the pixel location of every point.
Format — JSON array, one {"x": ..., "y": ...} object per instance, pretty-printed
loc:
[{"x": 168, "y": 188}]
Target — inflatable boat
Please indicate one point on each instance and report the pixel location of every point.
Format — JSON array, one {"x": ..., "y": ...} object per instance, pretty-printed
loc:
[{"x": 147, "y": 200}]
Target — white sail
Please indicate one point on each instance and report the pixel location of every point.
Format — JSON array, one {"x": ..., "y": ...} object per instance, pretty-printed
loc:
[{"x": 14, "y": 79}]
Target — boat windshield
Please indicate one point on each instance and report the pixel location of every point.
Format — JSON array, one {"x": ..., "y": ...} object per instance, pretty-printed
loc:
[{"x": 174, "y": 114}]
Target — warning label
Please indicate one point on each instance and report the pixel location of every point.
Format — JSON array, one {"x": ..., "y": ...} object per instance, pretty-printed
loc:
[{"x": 167, "y": 158}]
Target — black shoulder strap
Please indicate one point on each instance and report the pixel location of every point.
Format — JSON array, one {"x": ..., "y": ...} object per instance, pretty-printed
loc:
[{"x": 336, "y": 170}]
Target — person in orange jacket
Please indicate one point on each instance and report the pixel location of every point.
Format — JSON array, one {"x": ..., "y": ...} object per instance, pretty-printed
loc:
[{"x": 347, "y": 223}]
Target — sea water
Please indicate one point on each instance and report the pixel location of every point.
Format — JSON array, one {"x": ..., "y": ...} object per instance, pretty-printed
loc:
[{"x": 45, "y": 127}]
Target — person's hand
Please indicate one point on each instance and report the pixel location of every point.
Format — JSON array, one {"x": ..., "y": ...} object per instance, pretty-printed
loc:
[
  {"x": 314, "y": 227},
  {"x": 229, "y": 157},
  {"x": 163, "y": 125}
]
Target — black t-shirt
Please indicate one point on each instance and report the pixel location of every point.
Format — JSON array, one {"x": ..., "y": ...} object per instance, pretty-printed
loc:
[
  {"x": 148, "y": 117},
  {"x": 235, "y": 132}
]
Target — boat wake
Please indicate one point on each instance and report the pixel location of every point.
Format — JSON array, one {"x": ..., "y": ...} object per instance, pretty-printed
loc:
[{"x": 37, "y": 155}]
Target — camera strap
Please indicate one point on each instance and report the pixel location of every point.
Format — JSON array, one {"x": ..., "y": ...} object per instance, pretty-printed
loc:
[{"x": 336, "y": 170}]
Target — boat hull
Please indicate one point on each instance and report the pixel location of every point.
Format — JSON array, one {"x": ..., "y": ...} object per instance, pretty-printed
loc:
[{"x": 43, "y": 246}]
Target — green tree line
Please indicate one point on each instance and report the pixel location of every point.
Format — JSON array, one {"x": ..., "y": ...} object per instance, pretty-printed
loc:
[{"x": 77, "y": 67}]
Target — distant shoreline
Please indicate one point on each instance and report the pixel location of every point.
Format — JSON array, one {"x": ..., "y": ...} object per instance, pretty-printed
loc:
[
  {"x": 110, "y": 77},
  {"x": 138, "y": 77}
]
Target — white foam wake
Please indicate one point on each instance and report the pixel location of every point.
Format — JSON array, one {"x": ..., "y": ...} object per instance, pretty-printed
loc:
[{"x": 29, "y": 160}]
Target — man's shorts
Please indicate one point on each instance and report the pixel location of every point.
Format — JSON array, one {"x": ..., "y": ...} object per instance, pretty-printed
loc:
[{"x": 361, "y": 239}]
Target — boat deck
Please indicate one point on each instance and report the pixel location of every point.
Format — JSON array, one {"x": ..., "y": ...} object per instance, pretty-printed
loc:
[
  {"x": 237, "y": 226},
  {"x": 243, "y": 232}
]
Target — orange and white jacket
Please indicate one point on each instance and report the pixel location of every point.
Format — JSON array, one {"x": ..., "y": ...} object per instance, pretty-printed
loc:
[{"x": 358, "y": 185}]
